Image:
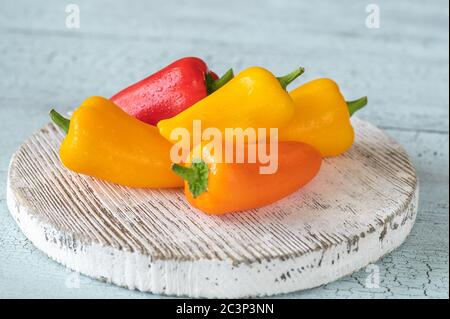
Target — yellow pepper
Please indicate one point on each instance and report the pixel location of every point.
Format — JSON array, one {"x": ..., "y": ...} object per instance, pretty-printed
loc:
[
  {"x": 255, "y": 98},
  {"x": 322, "y": 117},
  {"x": 105, "y": 142}
]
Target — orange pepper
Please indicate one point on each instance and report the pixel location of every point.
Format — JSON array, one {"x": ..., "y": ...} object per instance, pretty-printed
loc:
[
  {"x": 216, "y": 187},
  {"x": 105, "y": 142}
]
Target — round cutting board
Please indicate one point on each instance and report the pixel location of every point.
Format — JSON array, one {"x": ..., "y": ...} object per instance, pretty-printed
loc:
[{"x": 360, "y": 207}]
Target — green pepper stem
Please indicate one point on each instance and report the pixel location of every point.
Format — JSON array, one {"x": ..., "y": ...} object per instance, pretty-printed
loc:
[
  {"x": 62, "y": 122},
  {"x": 213, "y": 85},
  {"x": 288, "y": 78},
  {"x": 196, "y": 175},
  {"x": 356, "y": 105}
]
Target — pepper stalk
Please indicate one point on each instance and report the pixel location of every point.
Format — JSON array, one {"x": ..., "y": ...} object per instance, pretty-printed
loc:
[
  {"x": 62, "y": 122},
  {"x": 196, "y": 176},
  {"x": 213, "y": 85},
  {"x": 356, "y": 105},
  {"x": 288, "y": 78}
]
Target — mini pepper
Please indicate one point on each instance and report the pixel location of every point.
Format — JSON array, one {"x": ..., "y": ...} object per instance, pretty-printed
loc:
[
  {"x": 104, "y": 142},
  {"x": 322, "y": 117},
  {"x": 255, "y": 98},
  {"x": 217, "y": 187},
  {"x": 170, "y": 90}
]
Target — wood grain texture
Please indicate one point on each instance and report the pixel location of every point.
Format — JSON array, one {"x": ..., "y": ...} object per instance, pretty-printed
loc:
[
  {"x": 403, "y": 67},
  {"x": 362, "y": 205}
]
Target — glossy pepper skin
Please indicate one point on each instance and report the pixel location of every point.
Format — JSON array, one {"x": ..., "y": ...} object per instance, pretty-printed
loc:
[
  {"x": 216, "y": 187},
  {"x": 105, "y": 142},
  {"x": 322, "y": 117},
  {"x": 169, "y": 91},
  {"x": 255, "y": 98}
]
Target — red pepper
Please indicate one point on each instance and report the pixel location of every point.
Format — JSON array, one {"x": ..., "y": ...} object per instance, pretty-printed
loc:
[{"x": 169, "y": 91}]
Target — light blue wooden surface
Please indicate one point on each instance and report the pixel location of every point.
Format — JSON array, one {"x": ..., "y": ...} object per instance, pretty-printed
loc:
[{"x": 402, "y": 67}]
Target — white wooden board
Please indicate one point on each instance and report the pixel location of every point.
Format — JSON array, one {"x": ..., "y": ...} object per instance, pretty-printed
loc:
[{"x": 361, "y": 206}]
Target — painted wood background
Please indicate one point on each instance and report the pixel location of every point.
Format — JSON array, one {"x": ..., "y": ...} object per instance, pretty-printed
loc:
[{"x": 402, "y": 66}]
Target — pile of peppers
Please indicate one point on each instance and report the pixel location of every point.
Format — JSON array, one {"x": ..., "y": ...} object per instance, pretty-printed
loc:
[{"x": 127, "y": 139}]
